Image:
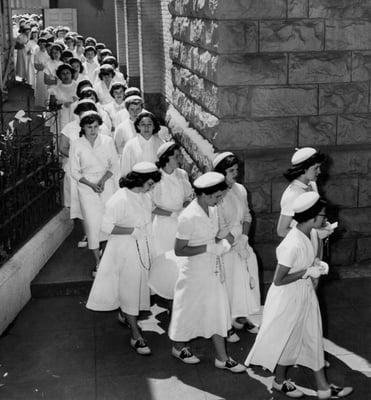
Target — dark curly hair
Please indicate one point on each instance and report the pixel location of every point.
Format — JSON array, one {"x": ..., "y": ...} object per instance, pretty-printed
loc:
[
  {"x": 62, "y": 67},
  {"x": 136, "y": 179},
  {"x": 90, "y": 118},
  {"x": 164, "y": 158},
  {"x": 116, "y": 86},
  {"x": 299, "y": 169},
  {"x": 76, "y": 60},
  {"x": 106, "y": 69},
  {"x": 87, "y": 92},
  {"x": 81, "y": 86},
  {"x": 147, "y": 114},
  {"x": 226, "y": 163},
  {"x": 84, "y": 105},
  {"x": 311, "y": 212},
  {"x": 211, "y": 189}
]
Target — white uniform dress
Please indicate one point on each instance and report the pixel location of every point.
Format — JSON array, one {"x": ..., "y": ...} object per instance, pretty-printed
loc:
[
  {"x": 291, "y": 330},
  {"x": 41, "y": 91},
  {"x": 103, "y": 93},
  {"x": 200, "y": 306},
  {"x": 72, "y": 131},
  {"x": 169, "y": 194},
  {"x": 64, "y": 93},
  {"x": 89, "y": 69},
  {"x": 123, "y": 133},
  {"x": 137, "y": 150},
  {"x": 117, "y": 112},
  {"x": 291, "y": 193},
  {"x": 239, "y": 266},
  {"x": 122, "y": 277},
  {"x": 92, "y": 162}
]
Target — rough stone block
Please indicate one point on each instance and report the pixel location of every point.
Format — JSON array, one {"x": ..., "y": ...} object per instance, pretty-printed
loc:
[
  {"x": 339, "y": 9},
  {"x": 203, "y": 91},
  {"x": 231, "y": 9},
  {"x": 317, "y": 131},
  {"x": 348, "y": 34},
  {"x": 260, "y": 197},
  {"x": 242, "y": 134},
  {"x": 234, "y": 101},
  {"x": 266, "y": 253},
  {"x": 342, "y": 252},
  {"x": 343, "y": 98},
  {"x": 304, "y": 35},
  {"x": 284, "y": 101},
  {"x": 265, "y": 168},
  {"x": 297, "y": 8},
  {"x": 361, "y": 66},
  {"x": 363, "y": 249},
  {"x": 354, "y": 129},
  {"x": 245, "y": 69},
  {"x": 341, "y": 192},
  {"x": 278, "y": 187},
  {"x": 356, "y": 221},
  {"x": 319, "y": 67},
  {"x": 349, "y": 162},
  {"x": 265, "y": 227},
  {"x": 364, "y": 196}
]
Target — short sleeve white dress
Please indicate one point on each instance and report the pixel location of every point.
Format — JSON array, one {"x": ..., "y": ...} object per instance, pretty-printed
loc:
[
  {"x": 122, "y": 277},
  {"x": 200, "y": 306},
  {"x": 291, "y": 330}
]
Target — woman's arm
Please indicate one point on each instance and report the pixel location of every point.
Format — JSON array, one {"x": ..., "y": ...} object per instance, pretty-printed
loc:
[
  {"x": 64, "y": 145},
  {"x": 182, "y": 249},
  {"x": 283, "y": 226},
  {"x": 282, "y": 276}
]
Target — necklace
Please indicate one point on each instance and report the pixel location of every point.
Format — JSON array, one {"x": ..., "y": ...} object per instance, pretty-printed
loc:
[{"x": 140, "y": 256}]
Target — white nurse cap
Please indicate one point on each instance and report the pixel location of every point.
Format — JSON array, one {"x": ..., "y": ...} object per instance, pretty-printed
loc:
[
  {"x": 144, "y": 167},
  {"x": 302, "y": 154},
  {"x": 220, "y": 157},
  {"x": 163, "y": 148},
  {"x": 208, "y": 180},
  {"x": 305, "y": 201}
]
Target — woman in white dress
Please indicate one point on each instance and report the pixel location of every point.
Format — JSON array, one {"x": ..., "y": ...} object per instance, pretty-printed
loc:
[
  {"x": 69, "y": 134},
  {"x": 63, "y": 94},
  {"x": 125, "y": 130},
  {"x": 94, "y": 166},
  {"x": 79, "y": 49},
  {"x": 240, "y": 263},
  {"x": 119, "y": 76},
  {"x": 116, "y": 109},
  {"x": 40, "y": 60},
  {"x": 144, "y": 146},
  {"x": 91, "y": 64},
  {"x": 291, "y": 330},
  {"x": 78, "y": 68},
  {"x": 30, "y": 52},
  {"x": 200, "y": 307},
  {"x": 171, "y": 195},
  {"x": 21, "y": 47},
  {"x": 50, "y": 76},
  {"x": 122, "y": 278},
  {"x": 103, "y": 86}
]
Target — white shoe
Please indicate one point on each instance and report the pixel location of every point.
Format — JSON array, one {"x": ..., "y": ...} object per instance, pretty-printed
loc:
[
  {"x": 185, "y": 355},
  {"x": 83, "y": 242},
  {"x": 335, "y": 392},
  {"x": 287, "y": 388},
  {"x": 233, "y": 337},
  {"x": 230, "y": 365},
  {"x": 140, "y": 346}
]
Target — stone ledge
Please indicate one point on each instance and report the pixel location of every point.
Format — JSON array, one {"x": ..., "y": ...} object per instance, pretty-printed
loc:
[{"x": 17, "y": 273}]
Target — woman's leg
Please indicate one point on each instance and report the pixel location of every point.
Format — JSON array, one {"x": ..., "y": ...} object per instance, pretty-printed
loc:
[
  {"x": 321, "y": 380},
  {"x": 280, "y": 373},
  {"x": 179, "y": 345},
  {"x": 220, "y": 348},
  {"x": 96, "y": 256},
  {"x": 136, "y": 333}
]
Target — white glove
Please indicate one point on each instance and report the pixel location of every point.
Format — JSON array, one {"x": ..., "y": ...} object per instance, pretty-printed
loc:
[
  {"x": 326, "y": 231},
  {"x": 218, "y": 248},
  {"x": 236, "y": 231},
  {"x": 242, "y": 247},
  {"x": 324, "y": 268},
  {"x": 138, "y": 233},
  {"x": 313, "y": 272}
]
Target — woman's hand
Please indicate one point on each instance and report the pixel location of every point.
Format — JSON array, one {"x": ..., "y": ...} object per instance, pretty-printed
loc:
[
  {"x": 38, "y": 67},
  {"x": 96, "y": 187}
]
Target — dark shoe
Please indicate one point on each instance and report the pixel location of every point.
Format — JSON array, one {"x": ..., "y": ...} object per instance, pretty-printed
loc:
[
  {"x": 140, "y": 346},
  {"x": 335, "y": 392},
  {"x": 185, "y": 355},
  {"x": 288, "y": 388}
]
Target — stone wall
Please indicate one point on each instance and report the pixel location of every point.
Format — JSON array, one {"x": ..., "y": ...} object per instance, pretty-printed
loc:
[{"x": 261, "y": 77}]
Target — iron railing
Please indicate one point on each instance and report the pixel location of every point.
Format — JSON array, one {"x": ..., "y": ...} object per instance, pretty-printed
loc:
[{"x": 30, "y": 178}]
